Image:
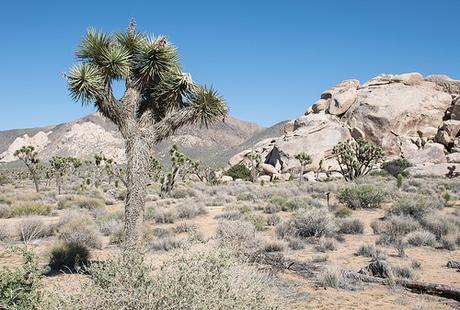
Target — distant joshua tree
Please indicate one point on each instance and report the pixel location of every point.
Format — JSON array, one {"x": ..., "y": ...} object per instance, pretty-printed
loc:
[
  {"x": 304, "y": 159},
  {"x": 29, "y": 157},
  {"x": 60, "y": 166},
  {"x": 158, "y": 99}
]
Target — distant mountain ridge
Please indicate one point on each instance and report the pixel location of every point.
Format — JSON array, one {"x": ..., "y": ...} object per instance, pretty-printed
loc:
[{"x": 94, "y": 134}]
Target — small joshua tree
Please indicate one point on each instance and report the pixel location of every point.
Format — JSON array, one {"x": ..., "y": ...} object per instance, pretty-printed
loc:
[
  {"x": 60, "y": 166},
  {"x": 180, "y": 165},
  {"x": 29, "y": 157},
  {"x": 304, "y": 160},
  {"x": 256, "y": 160},
  {"x": 357, "y": 158},
  {"x": 158, "y": 99},
  {"x": 155, "y": 169}
]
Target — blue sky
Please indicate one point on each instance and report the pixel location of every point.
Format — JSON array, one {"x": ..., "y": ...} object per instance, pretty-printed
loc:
[{"x": 269, "y": 59}]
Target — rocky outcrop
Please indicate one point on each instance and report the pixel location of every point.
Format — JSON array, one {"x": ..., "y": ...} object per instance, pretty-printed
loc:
[{"x": 408, "y": 115}]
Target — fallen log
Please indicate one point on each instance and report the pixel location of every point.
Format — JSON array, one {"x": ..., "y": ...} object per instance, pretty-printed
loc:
[{"x": 416, "y": 286}]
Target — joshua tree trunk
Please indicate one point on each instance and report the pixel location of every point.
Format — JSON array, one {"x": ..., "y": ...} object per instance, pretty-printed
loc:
[
  {"x": 34, "y": 178},
  {"x": 137, "y": 154},
  {"x": 301, "y": 175}
]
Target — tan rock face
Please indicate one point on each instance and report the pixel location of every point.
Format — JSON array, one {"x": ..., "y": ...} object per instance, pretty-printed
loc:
[{"x": 388, "y": 111}]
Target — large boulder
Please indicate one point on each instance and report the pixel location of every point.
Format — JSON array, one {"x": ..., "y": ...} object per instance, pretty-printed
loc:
[
  {"x": 430, "y": 153},
  {"x": 437, "y": 170},
  {"x": 340, "y": 98},
  {"x": 316, "y": 135},
  {"x": 386, "y": 110}
]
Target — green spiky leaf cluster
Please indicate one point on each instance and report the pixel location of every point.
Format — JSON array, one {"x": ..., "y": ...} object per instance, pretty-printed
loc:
[
  {"x": 155, "y": 84},
  {"x": 357, "y": 158},
  {"x": 304, "y": 158}
]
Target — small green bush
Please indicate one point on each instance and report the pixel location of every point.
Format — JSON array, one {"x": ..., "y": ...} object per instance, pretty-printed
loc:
[
  {"x": 361, "y": 196},
  {"x": 396, "y": 167},
  {"x": 415, "y": 206},
  {"x": 308, "y": 223},
  {"x": 30, "y": 209},
  {"x": 343, "y": 212},
  {"x": 239, "y": 171},
  {"x": 21, "y": 288}
]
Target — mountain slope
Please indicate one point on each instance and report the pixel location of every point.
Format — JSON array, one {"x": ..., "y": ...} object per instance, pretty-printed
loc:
[{"x": 94, "y": 134}]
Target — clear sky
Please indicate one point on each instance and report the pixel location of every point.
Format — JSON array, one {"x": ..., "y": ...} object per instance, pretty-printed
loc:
[{"x": 269, "y": 59}]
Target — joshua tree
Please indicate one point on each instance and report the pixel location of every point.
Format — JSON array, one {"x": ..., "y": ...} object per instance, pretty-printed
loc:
[
  {"x": 29, "y": 157},
  {"x": 158, "y": 99},
  {"x": 304, "y": 159},
  {"x": 60, "y": 166},
  {"x": 180, "y": 165},
  {"x": 357, "y": 158}
]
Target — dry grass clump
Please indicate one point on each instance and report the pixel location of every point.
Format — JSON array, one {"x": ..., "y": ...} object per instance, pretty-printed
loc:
[
  {"x": 80, "y": 231},
  {"x": 416, "y": 206},
  {"x": 258, "y": 220},
  {"x": 165, "y": 244},
  {"x": 350, "y": 226},
  {"x": 83, "y": 202},
  {"x": 273, "y": 246},
  {"x": 326, "y": 244},
  {"x": 273, "y": 220},
  {"x": 440, "y": 224},
  {"x": 342, "y": 212},
  {"x": 163, "y": 215},
  {"x": 239, "y": 236},
  {"x": 395, "y": 227},
  {"x": 296, "y": 244},
  {"x": 308, "y": 223},
  {"x": 25, "y": 209},
  {"x": 370, "y": 250},
  {"x": 229, "y": 215},
  {"x": 4, "y": 210},
  {"x": 333, "y": 277},
  {"x": 190, "y": 210},
  {"x": 183, "y": 192},
  {"x": 32, "y": 228},
  {"x": 421, "y": 238},
  {"x": 6, "y": 233}
]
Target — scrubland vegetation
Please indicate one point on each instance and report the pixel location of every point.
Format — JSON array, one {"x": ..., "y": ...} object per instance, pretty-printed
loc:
[{"x": 239, "y": 245}]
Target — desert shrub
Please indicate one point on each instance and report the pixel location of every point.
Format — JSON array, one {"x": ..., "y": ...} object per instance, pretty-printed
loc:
[
  {"x": 6, "y": 200},
  {"x": 30, "y": 229},
  {"x": 278, "y": 200},
  {"x": 30, "y": 209},
  {"x": 4, "y": 180},
  {"x": 164, "y": 244},
  {"x": 76, "y": 201},
  {"x": 396, "y": 167},
  {"x": 121, "y": 195},
  {"x": 246, "y": 196},
  {"x": 403, "y": 272},
  {"x": 21, "y": 288},
  {"x": 439, "y": 224},
  {"x": 415, "y": 205},
  {"x": 183, "y": 192},
  {"x": 185, "y": 228},
  {"x": 118, "y": 236},
  {"x": 333, "y": 277},
  {"x": 231, "y": 216},
  {"x": 190, "y": 210},
  {"x": 109, "y": 227},
  {"x": 395, "y": 227},
  {"x": 421, "y": 238},
  {"x": 272, "y": 208},
  {"x": 320, "y": 259},
  {"x": 201, "y": 280},
  {"x": 326, "y": 244},
  {"x": 350, "y": 226},
  {"x": 448, "y": 243},
  {"x": 361, "y": 196},
  {"x": 370, "y": 250},
  {"x": 32, "y": 196},
  {"x": 258, "y": 220},
  {"x": 342, "y": 212},
  {"x": 237, "y": 235},
  {"x": 273, "y": 246},
  {"x": 68, "y": 256},
  {"x": 165, "y": 215},
  {"x": 296, "y": 244},
  {"x": 294, "y": 204},
  {"x": 4, "y": 210},
  {"x": 308, "y": 223},
  {"x": 239, "y": 171},
  {"x": 163, "y": 232},
  {"x": 80, "y": 231},
  {"x": 273, "y": 220},
  {"x": 6, "y": 233},
  {"x": 415, "y": 264}
]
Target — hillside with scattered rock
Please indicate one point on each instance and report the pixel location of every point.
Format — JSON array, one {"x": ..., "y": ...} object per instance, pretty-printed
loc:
[
  {"x": 410, "y": 116},
  {"x": 93, "y": 134}
]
